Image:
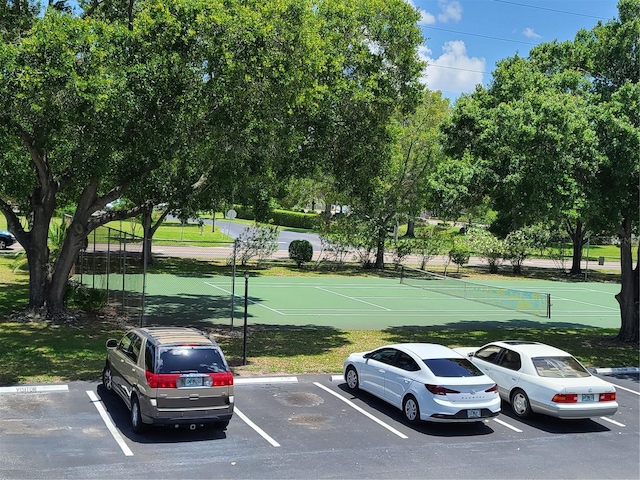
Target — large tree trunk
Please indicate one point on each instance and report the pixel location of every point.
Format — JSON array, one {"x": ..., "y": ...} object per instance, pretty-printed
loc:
[
  {"x": 411, "y": 226},
  {"x": 629, "y": 296},
  {"x": 578, "y": 241}
]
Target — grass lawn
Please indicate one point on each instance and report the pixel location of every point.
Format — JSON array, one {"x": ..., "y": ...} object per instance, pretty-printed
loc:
[{"x": 41, "y": 352}]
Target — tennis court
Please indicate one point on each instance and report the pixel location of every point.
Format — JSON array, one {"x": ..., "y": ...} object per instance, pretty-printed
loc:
[{"x": 365, "y": 303}]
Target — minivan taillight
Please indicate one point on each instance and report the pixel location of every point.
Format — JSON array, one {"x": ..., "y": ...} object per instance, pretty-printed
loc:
[
  {"x": 161, "y": 380},
  {"x": 223, "y": 379},
  {"x": 439, "y": 389}
]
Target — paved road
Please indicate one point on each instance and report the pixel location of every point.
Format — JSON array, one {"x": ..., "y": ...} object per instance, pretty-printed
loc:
[{"x": 308, "y": 426}]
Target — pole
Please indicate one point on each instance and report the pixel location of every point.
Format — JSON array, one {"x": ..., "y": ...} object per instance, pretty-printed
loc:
[
  {"x": 233, "y": 282},
  {"x": 244, "y": 336}
]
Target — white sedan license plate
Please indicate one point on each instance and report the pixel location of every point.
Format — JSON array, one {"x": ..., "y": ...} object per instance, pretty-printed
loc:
[
  {"x": 588, "y": 397},
  {"x": 473, "y": 413}
]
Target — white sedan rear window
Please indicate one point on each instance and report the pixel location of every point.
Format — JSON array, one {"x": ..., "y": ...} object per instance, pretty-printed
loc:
[{"x": 559, "y": 367}]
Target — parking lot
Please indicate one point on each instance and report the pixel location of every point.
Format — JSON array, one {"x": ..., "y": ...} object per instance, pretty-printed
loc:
[{"x": 308, "y": 426}]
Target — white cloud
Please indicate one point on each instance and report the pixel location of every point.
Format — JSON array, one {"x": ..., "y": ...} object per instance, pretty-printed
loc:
[
  {"x": 530, "y": 33},
  {"x": 451, "y": 11},
  {"x": 426, "y": 18},
  {"x": 453, "y": 71}
]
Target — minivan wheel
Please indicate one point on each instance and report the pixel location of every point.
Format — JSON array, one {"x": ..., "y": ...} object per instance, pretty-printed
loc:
[
  {"x": 107, "y": 379},
  {"x": 136, "y": 417}
]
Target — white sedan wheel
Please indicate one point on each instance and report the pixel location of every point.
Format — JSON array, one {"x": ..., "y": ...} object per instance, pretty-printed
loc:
[{"x": 411, "y": 409}]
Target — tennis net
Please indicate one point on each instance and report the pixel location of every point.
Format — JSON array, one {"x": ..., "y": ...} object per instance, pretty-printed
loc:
[{"x": 538, "y": 304}]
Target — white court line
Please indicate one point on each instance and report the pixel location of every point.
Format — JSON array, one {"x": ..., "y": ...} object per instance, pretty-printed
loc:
[
  {"x": 507, "y": 425},
  {"x": 364, "y": 412},
  {"x": 109, "y": 423},
  {"x": 352, "y": 298},
  {"x": 553, "y": 299},
  {"x": 613, "y": 421},
  {"x": 241, "y": 296},
  {"x": 255, "y": 427}
]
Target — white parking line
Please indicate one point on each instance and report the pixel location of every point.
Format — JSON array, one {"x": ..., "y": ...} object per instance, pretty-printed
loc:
[
  {"x": 109, "y": 423},
  {"x": 613, "y": 421},
  {"x": 505, "y": 424},
  {"x": 626, "y": 389},
  {"x": 255, "y": 427},
  {"x": 364, "y": 412}
]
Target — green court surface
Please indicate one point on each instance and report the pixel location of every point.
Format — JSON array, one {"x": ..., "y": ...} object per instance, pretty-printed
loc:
[{"x": 364, "y": 303}]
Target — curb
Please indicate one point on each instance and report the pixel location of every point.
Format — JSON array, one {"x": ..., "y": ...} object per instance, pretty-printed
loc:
[{"x": 605, "y": 371}]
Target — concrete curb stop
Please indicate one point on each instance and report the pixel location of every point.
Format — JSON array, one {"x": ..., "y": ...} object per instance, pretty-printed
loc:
[{"x": 614, "y": 370}]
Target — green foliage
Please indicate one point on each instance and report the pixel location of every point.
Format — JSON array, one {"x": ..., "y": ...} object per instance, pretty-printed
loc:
[
  {"x": 300, "y": 251},
  {"x": 431, "y": 241},
  {"x": 402, "y": 248},
  {"x": 487, "y": 246},
  {"x": 257, "y": 241},
  {"x": 459, "y": 253},
  {"x": 81, "y": 297},
  {"x": 517, "y": 246}
]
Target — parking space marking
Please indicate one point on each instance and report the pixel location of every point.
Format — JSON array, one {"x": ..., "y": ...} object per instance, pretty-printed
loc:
[
  {"x": 364, "y": 412},
  {"x": 626, "y": 389},
  {"x": 261, "y": 432},
  {"x": 35, "y": 389},
  {"x": 613, "y": 421},
  {"x": 505, "y": 424},
  {"x": 109, "y": 423}
]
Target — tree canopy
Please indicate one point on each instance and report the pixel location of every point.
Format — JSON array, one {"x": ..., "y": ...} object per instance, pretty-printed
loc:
[{"x": 150, "y": 99}]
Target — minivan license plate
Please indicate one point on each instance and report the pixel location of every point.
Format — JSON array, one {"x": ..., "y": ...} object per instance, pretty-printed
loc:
[
  {"x": 473, "y": 413},
  {"x": 192, "y": 381}
]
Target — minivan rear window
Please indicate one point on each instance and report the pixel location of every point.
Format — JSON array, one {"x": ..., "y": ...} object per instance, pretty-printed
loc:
[
  {"x": 190, "y": 359},
  {"x": 452, "y": 367}
]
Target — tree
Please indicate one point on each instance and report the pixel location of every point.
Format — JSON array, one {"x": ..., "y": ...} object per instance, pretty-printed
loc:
[
  {"x": 400, "y": 187},
  {"x": 133, "y": 99},
  {"x": 610, "y": 56},
  {"x": 557, "y": 137}
]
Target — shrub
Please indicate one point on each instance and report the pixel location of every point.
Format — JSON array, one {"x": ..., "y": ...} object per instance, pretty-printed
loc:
[
  {"x": 459, "y": 254},
  {"x": 257, "y": 241},
  {"x": 300, "y": 251}
]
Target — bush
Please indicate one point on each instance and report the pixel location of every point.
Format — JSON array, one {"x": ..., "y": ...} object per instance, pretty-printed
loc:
[
  {"x": 300, "y": 251},
  {"x": 84, "y": 298},
  {"x": 282, "y": 218}
]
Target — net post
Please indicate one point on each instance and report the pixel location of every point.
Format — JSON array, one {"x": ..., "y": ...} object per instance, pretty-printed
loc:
[
  {"x": 548, "y": 305},
  {"x": 401, "y": 273}
]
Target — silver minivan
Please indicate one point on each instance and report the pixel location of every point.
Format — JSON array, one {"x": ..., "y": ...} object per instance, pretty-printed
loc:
[{"x": 170, "y": 376}]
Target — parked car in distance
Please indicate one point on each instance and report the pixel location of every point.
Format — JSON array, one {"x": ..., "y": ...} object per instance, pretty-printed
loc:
[
  {"x": 426, "y": 381},
  {"x": 534, "y": 377},
  {"x": 6, "y": 239},
  {"x": 170, "y": 376}
]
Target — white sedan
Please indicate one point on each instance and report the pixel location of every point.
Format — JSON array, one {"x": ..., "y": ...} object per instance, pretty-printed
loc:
[
  {"x": 426, "y": 381},
  {"x": 534, "y": 377}
]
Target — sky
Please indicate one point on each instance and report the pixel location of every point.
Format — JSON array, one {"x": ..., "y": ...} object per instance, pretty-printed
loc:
[{"x": 464, "y": 39}]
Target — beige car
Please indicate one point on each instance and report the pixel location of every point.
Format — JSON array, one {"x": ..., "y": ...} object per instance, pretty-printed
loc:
[{"x": 170, "y": 376}]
